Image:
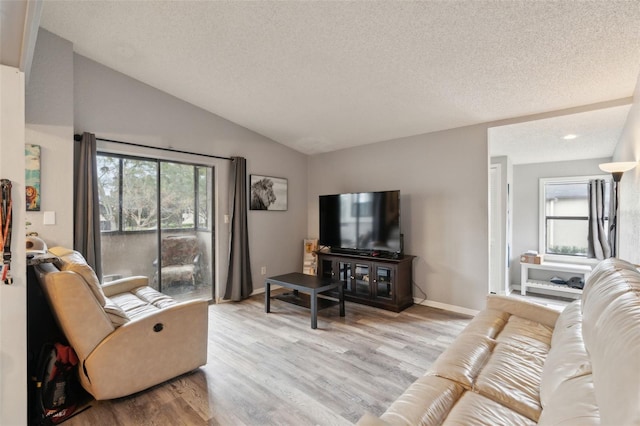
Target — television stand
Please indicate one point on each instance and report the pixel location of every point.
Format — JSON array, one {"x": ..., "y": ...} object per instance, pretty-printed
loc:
[{"x": 378, "y": 281}]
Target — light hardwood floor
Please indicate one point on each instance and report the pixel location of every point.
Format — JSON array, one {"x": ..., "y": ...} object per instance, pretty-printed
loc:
[{"x": 273, "y": 369}]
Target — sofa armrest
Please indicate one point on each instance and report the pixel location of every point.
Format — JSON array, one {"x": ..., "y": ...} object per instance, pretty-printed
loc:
[
  {"x": 124, "y": 285},
  {"x": 148, "y": 350},
  {"x": 369, "y": 419},
  {"x": 524, "y": 309}
]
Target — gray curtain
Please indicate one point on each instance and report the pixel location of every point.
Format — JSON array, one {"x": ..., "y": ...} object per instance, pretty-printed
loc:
[
  {"x": 598, "y": 245},
  {"x": 239, "y": 281},
  {"x": 613, "y": 218},
  {"x": 86, "y": 232}
]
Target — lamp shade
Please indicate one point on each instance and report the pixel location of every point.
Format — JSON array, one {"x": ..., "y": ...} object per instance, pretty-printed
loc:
[{"x": 618, "y": 167}]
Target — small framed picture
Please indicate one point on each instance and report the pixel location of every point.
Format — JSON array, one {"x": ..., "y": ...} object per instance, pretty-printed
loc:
[
  {"x": 32, "y": 177},
  {"x": 268, "y": 193}
]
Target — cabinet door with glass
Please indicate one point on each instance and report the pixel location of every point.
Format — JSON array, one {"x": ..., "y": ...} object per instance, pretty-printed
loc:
[
  {"x": 384, "y": 282},
  {"x": 327, "y": 268},
  {"x": 342, "y": 271},
  {"x": 362, "y": 279},
  {"x": 345, "y": 275}
]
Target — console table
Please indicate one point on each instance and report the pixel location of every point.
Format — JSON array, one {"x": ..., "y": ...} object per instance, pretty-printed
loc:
[{"x": 526, "y": 281}]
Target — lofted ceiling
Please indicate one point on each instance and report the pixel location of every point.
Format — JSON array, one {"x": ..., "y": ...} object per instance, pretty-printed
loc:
[{"x": 319, "y": 76}]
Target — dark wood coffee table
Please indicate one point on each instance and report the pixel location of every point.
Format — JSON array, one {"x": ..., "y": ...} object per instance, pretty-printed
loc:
[{"x": 310, "y": 284}]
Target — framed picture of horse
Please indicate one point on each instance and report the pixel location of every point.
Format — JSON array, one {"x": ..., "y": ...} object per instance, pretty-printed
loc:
[{"x": 268, "y": 193}]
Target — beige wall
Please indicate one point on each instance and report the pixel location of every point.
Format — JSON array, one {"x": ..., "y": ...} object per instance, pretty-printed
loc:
[
  {"x": 49, "y": 123},
  {"x": 70, "y": 94},
  {"x": 114, "y": 106},
  {"x": 13, "y": 325},
  {"x": 628, "y": 149},
  {"x": 443, "y": 179}
]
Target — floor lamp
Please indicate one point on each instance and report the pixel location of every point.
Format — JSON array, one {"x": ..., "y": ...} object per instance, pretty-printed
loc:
[{"x": 616, "y": 169}]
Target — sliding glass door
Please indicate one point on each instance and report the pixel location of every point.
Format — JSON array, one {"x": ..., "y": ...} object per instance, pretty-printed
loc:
[{"x": 157, "y": 220}]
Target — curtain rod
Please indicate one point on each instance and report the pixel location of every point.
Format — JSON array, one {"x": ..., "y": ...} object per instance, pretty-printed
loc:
[{"x": 78, "y": 137}]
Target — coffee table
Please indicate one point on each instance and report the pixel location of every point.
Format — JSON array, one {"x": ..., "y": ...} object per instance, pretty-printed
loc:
[{"x": 310, "y": 284}]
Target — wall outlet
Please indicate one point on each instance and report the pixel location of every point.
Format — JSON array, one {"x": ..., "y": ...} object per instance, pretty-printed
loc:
[{"x": 263, "y": 270}]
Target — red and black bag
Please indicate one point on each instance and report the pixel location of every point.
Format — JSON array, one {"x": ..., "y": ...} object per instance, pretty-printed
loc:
[{"x": 58, "y": 390}]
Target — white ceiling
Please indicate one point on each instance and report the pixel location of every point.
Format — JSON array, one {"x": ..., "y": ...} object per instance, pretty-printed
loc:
[
  {"x": 319, "y": 76},
  {"x": 542, "y": 141}
]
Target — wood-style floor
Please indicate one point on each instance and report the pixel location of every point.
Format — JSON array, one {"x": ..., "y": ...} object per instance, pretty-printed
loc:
[{"x": 273, "y": 369}]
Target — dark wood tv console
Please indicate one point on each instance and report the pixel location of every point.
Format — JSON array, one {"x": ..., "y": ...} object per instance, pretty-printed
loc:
[{"x": 376, "y": 281}]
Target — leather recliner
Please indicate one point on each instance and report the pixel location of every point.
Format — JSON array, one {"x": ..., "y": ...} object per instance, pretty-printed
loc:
[{"x": 128, "y": 336}]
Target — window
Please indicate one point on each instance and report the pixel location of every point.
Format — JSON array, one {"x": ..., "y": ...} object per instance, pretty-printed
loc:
[
  {"x": 134, "y": 191},
  {"x": 564, "y": 215}
]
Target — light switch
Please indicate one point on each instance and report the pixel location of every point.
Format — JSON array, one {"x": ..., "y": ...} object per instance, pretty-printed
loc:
[
  {"x": 49, "y": 218},
  {"x": 226, "y": 218}
]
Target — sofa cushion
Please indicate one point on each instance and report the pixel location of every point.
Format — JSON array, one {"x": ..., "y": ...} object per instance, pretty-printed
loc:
[
  {"x": 610, "y": 327},
  {"x": 573, "y": 404},
  {"x": 512, "y": 378},
  {"x": 132, "y": 305},
  {"x": 115, "y": 313},
  {"x": 568, "y": 357},
  {"x": 477, "y": 410},
  {"x": 426, "y": 402},
  {"x": 463, "y": 359},
  {"x": 153, "y": 297},
  {"x": 597, "y": 299},
  {"x": 528, "y": 335},
  {"x": 71, "y": 260}
]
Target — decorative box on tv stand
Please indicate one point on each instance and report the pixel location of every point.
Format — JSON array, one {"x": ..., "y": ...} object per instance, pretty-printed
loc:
[{"x": 531, "y": 258}]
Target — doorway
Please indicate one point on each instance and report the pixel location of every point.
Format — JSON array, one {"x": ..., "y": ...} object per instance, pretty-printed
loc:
[
  {"x": 498, "y": 228},
  {"x": 156, "y": 220}
]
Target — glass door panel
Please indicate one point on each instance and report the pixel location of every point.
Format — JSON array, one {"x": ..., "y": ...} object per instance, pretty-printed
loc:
[
  {"x": 326, "y": 268},
  {"x": 186, "y": 240},
  {"x": 362, "y": 279},
  {"x": 127, "y": 189},
  {"x": 344, "y": 275},
  {"x": 156, "y": 220},
  {"x": 384, "y": 282}
]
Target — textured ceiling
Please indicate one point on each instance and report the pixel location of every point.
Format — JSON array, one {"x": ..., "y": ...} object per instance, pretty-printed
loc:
[
  {"x": 319, "y": 76},
  {"x": 542, "y": 141}
]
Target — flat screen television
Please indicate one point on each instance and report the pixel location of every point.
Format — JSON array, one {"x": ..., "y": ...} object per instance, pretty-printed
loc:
[{"x": 367, "y": 223}]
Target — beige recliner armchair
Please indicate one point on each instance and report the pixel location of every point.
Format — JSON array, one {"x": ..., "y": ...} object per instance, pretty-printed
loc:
[{"x": 128, "y": 336}]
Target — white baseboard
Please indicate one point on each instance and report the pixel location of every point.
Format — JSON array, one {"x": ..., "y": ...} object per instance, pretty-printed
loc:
[
  {"x": 446, "y": 307},
  {"x": 253, "y": 293},
  {"x": 261, "y": 290}
]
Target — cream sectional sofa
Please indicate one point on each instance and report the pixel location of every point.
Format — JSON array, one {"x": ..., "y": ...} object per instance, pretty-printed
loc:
[
  {"x": 128, "y": 336},
  {"x": 518, "y": 363}
]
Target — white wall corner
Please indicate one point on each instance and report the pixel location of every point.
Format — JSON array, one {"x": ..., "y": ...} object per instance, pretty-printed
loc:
[{"x": 13, "y": 304}]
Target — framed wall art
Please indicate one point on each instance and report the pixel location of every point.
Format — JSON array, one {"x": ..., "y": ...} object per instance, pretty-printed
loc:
[
  {"x": 32, "y": 177},
  {"x": 268, "y": 193}
]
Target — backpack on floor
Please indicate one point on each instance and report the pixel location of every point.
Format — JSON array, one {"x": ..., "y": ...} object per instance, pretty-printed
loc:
[{"x": 58, "y": 390}]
